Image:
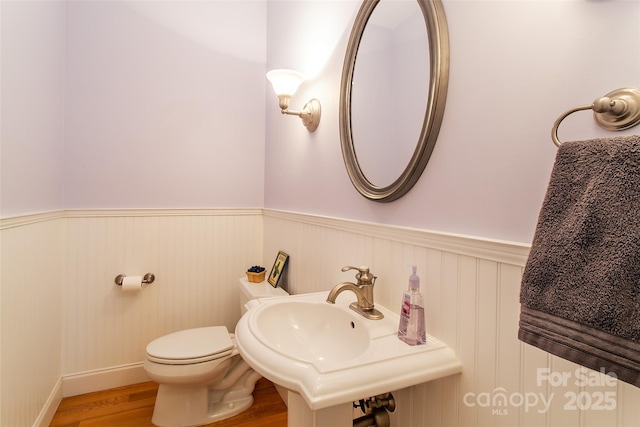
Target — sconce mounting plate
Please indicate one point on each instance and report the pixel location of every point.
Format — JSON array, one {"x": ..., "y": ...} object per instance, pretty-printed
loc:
[{"x": 311, "y": 115}]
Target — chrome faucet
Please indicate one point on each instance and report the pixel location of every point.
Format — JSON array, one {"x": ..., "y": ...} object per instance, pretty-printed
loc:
[{"x": 363, "y": 290}]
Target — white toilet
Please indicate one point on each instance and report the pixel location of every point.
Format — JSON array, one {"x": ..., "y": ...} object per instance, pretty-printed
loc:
[{"x": 202, "y": 377}]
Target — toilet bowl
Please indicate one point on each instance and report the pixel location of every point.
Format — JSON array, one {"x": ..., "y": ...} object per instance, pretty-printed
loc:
[{"x": 202, "y": 377}]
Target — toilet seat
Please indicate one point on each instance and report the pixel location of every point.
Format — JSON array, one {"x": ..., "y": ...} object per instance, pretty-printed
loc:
[{"x": 191, "y": 346}]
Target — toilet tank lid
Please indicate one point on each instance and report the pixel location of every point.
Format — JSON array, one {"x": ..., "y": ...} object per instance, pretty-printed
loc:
[
  {"x": 259, "y": 290},
  {"x": 191, "y": 343}
]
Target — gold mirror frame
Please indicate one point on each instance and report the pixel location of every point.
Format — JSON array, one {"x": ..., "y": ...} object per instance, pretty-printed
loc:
[{"x": 438, "y": 34}]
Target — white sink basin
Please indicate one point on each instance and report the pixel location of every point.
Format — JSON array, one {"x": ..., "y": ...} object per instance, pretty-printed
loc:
[
  {"x": 312, "y": 332},
  {"x": 330, "y": 354}
]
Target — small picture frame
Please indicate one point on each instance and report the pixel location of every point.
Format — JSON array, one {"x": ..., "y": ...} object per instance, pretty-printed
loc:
[{"x": 278, "y": 268}]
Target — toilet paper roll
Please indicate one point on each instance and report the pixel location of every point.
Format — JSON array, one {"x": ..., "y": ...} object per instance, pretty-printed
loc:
[{"x": 132, "y": 284}]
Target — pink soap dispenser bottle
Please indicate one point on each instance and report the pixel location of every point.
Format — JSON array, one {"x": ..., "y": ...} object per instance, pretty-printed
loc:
[{"x": 412, "y": 326}]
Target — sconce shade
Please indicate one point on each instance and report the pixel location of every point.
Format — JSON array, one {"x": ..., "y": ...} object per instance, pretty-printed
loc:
[{"x": 285, "y": 82}]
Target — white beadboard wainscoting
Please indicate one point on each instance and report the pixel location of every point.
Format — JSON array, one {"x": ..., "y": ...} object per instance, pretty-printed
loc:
[
  {"x": 31, "y": 277},
  {"x": 66, "y": 328},
  {"x": 471, "y": 286},
  {"x": 197, "y": 258}
]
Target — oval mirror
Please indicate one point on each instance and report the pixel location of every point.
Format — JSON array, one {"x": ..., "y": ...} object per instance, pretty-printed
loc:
[{"x": 393, "y": 94}]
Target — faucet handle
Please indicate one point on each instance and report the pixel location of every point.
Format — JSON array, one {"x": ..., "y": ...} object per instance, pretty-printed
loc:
[{"x": 364, "y": 276}]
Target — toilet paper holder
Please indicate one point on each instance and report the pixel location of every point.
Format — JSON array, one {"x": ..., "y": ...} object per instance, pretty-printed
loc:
[{"x": 147, "y": 278}]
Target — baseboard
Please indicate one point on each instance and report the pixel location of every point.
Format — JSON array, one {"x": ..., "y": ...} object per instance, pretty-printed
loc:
[
  {"x": 103, "y": 379},
  {"x": 50, "y": 406}
]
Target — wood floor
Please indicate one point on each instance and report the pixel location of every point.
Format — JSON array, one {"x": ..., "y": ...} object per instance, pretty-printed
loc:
[{"x": 132, "y": 406}]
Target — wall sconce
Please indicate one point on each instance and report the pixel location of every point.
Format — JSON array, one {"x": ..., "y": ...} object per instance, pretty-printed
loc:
[{"x": 285, "y": 83}]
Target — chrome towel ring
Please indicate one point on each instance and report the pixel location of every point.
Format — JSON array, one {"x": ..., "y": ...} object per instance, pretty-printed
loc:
[{"x": 617, "y": 110}]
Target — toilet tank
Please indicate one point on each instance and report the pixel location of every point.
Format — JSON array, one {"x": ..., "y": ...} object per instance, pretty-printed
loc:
[{"x": 250, "y": 291}]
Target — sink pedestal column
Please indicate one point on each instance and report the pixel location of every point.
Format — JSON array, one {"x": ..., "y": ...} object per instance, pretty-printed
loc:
[{"x": 300, "y": 415}]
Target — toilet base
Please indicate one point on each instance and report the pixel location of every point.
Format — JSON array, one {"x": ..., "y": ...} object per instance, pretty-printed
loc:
[{"x": 190, "y": 406}]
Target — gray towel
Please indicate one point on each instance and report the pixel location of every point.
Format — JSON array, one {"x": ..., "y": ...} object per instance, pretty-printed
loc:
[{"x": 580, "y": 294}]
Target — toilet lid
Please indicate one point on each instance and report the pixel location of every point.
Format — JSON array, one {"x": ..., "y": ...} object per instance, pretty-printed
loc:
[{"x": 191, "y": 346}]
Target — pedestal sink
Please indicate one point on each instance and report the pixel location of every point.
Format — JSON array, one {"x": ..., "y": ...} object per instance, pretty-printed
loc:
[{"x": 331, "y": 355}]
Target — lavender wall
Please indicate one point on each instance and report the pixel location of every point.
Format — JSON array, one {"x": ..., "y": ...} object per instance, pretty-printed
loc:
[
  {"x": 32, "y": 99},
  {"x": 113, "y": 104},
  {"x": 164, "y": 107},
  {"x": 515, "y": 67},
  {"x": 164, "y": 104}
]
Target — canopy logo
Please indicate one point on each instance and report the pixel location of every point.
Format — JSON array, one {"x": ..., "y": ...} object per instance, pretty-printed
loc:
[{"x": 499, "y": 400}]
